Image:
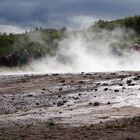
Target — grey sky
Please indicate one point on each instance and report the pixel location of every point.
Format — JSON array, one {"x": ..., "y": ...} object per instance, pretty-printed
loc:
[{"x": 32, "y": 13}]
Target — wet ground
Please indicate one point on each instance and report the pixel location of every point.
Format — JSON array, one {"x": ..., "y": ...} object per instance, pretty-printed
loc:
[{"x": 30, "y": 105}]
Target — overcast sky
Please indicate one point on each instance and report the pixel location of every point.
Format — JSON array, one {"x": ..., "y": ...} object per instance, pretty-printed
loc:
[{"x": 57, "y": 13}]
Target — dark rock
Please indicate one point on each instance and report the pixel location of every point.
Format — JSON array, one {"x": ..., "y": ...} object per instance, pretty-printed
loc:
[
  {"x": 129, "y": 82},
  {"x": 116, "y": 90},
  {"x": 107, "y": 78},
  {"x": 96, "y": 104},
  {"x": 108, "y": 103},
  {"x": 106, "y": 89},
  {"x": 43, "y": 89},
  {"x": 59, "y": 96},
  {"x": 98, "y": 84},
  {"x": 65, "y": 101},
  {"x": 95, "y": 89},
  {"x": 60, "y": 89},
  {"x": 63, "y": 81},
  {"x": 79, "y": 94},
  {"x": 59, "y": 104},
  {"x": 29, "y": 95},
  {"x": 81, "y": 82},
  {"x": 75, "y": 98},
  {"x": 113, "y": 73},
  {"x": 137, "y": 78},
  {"x": 120, "y": 84},
  {"x": 123, "y": 87},
  {"x": 82, "y": 73},
  {"x": 37, "y": 103},
  {"x": 55, "y": 74},
  {"x": 132, "y": 84},
  {"x": 105, "y": 84},
  {"x": 90, "y": 104}
]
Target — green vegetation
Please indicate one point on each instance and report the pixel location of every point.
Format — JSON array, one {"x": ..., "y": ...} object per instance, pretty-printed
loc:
[
  {"x": 39, "y": 42},
  {"x": 129, "y": 22}
]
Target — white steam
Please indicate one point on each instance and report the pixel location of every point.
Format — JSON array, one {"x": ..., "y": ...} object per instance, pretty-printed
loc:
[
  {"x": 90, "y": 52},
  {"x": 11, "y": 29},
  {"x": 87, "y": 51}
]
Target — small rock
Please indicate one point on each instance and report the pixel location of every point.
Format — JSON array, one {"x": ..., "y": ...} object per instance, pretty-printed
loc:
[
  {"x": 81, "y": 82},
  {"x": 37, "y": 103},
  {"x": 59, "y": 104},
  {"x": 108, "y": 103},
  {"x": 98, "y": 84},
  {"x": 63, "y": 81},
  {"x": 95, "y": 89},
  {"x": 129, "y": 82},
  {"x": 132, "y": 84},
  {"x": 123, "y": 87},
  {"x": 105, "y": 84},
  {"x": 82, "y": 73},
  {"x": 60, "y": 89},
  {"x": 29, "y": 95},
  {"x": 75, "y": 98},
  {"x": 137, "y": 78},
  {"x": 59, "y": 96},
  {"x": 120, "y": 84},
  {"x": 116, "y": 90},
  {"x": 90, "y": 104},
  {"x": 65, "y": 101},
  {"x": 106, "y": 89},
  {"x": 55, "y": 74},
  {"x": 96, "y": 104}
]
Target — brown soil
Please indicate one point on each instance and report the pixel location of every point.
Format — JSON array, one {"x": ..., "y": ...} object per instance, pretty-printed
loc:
[{"x": 69, "y": 107}]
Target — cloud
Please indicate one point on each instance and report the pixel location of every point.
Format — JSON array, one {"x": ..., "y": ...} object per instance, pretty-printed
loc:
[
  {"x": 11, "y": 29},
  {"x": 80, "y": 22},
  {"x": 50, "y": 13}
]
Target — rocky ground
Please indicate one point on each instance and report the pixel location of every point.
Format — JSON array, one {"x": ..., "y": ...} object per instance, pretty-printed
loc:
[{"x": 102, "y": 106}]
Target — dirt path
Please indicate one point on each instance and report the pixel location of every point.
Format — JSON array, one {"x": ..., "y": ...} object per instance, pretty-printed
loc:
[{"x": 70, "y": 106}]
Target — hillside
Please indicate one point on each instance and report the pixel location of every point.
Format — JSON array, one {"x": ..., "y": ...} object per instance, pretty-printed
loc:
[
  {"x": 128, "y": 22},
  {"x": 39, "y": 42}
]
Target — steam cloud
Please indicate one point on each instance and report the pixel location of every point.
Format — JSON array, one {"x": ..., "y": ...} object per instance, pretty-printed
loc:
[
  {"x": 87, "y": 51},
  {"x": 90, "y": 52}
]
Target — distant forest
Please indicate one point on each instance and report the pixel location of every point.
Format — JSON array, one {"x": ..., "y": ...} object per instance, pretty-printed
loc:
[{"x": 39, "y": 42}]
